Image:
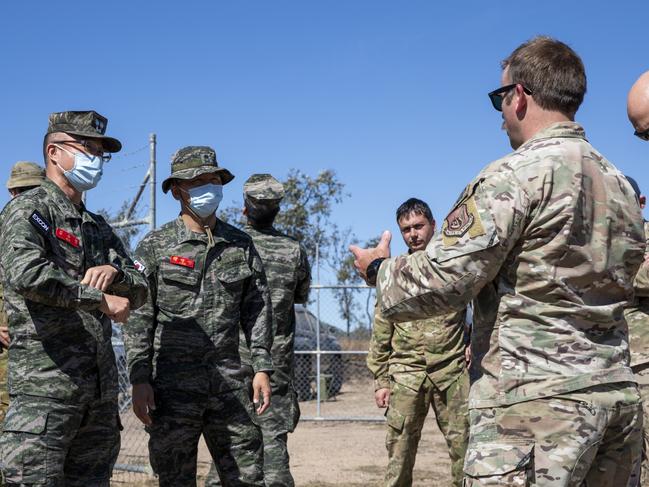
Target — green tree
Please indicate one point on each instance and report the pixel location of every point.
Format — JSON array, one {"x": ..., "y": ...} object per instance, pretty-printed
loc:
[{"x": 341, "y": 262}]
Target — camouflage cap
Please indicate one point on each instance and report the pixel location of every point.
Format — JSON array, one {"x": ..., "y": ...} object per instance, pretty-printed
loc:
[
  {"x": 192, "y": 161},
  {"x": 263, "y": 191},
  {"x": 25, "y": 174},
  {"x": 84, "y": 124}
]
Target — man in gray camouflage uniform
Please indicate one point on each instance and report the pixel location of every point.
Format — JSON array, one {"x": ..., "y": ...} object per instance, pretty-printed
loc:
[
  {"x": 553, "y": 232},
  {"x": 289, "y": 277},
  {"x": 206, "y": 283},
  {"x": 66, "y": 275},
  {"x": 24, "y": 176},
  {"x": 637, "y": 315}
]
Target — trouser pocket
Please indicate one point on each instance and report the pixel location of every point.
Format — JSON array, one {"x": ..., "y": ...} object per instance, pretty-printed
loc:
[{"x": 499, "y": 464}]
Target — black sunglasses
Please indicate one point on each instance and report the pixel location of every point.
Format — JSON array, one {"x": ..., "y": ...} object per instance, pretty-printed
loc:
[
  {"x": 496, "y": 96},
  {"x": 644, "y": 135}
]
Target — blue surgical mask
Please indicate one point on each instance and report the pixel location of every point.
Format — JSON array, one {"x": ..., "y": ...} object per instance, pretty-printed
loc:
[
  {"x": 86, "y": 172},
  {"x": 205, "y": 199}
]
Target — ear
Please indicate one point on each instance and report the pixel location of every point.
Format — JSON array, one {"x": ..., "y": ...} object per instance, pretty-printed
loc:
[
  {"x": 52, "y": 150},
  {"x": 245, "y": 211},
  {"x": 175, "y": 192},
  {"x": 521, "y": 100}
]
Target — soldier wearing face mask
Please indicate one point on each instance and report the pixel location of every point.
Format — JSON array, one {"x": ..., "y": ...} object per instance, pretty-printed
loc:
[
  {"x": 207, "y": 283},
  {"x": 66, "y": 275}
]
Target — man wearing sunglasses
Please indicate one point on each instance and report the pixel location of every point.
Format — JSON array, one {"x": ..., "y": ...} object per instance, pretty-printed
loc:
[
  {"x": 66, "y": 275},
  {"x": 546, "y": 242},
  {"x": 637, "y": 315}
]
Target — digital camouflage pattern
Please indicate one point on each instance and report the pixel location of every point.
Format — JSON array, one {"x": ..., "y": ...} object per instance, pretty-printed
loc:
[
  {"x": 553, "y": 234},
  {"x": 637, "y": 316},
  {"x": 60, "y": 359},
  {"x": 556, "y": 441},
  {"x": 85, "y": 124},
  {"x": 4, "y": 393},
  {"x": 185, "y": 342},
  {"x": 192, "y": 161},
  {"x": 422, "y": 362},
  {"x": 262, "y": 192},
  {"x": 289, "y": 277}
]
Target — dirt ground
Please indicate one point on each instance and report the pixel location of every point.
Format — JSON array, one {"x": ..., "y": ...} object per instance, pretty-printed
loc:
[{"x": 324, "y": 453}]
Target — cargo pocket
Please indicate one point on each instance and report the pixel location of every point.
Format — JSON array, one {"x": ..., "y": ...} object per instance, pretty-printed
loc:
[
  {"x": 395, "y": 419},
  {"x": 499, "y": 464},
  {"x": 24, "y": 448}
]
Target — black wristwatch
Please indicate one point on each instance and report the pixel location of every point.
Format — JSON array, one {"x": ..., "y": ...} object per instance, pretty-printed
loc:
[
  {"x": 120, "y": 273},
  {"x": 372, "y": 271}
]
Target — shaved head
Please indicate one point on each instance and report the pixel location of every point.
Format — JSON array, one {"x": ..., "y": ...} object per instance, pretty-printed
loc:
[{"x": 638, "y": 103}]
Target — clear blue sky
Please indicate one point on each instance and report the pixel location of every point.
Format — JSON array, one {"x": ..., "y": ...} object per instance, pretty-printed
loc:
[{"x": 391, "y": 95}]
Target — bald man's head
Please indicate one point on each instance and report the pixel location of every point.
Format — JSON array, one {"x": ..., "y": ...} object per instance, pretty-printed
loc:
[{"x": 638, "y": 106}]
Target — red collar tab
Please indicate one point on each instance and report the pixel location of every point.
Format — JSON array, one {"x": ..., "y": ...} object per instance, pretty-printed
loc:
[
  {"x": 67, "y": 237},
  {"x": 183, "y": 261}
]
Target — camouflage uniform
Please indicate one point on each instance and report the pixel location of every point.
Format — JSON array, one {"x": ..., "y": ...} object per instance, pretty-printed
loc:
[
  {"x": 24, "y": 174},
  {"x": 422, "y": 362},
  {"x": 185, "y": 341},
  {"x": 553, "y": 231},
  {"x": 289, "y": 277},
  {"x": 62, "y": 426},
  {"x": 637, "y": 317}
]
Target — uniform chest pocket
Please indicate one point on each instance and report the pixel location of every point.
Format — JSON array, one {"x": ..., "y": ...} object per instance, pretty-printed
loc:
[
  {"x": 178, "y": 287},
  {"x": 232, "y": 271}
]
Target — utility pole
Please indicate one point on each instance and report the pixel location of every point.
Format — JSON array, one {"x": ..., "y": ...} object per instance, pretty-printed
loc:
[{"x": 152, "y": 180}]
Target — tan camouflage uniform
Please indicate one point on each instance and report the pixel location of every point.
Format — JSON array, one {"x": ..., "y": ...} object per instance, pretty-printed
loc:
[
  {"x": 637, "y": 317},
  {"x": 422, "y": 363},
  {"x": 554, "y": 233},
  {"x": 204, "y": 289}
]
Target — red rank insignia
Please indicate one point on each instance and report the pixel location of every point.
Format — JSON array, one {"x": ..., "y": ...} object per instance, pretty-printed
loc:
[
  {"x": 67, "y": 237},
  {"x": 183, "y": 261}
]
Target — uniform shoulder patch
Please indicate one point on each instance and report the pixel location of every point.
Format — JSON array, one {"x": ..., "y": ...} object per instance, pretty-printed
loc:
[
  {"x": 139, "y": 266},
  {"x": 462, "y": 220},
  {"x": 40, "y": 223}
]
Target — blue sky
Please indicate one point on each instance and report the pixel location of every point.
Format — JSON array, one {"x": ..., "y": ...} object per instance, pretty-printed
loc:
[{"x": 391, "y": 95}]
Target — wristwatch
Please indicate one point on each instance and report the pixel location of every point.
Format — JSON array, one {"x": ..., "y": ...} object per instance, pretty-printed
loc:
[
  {"x": 372, "y": 271},
  {"x": 120, "y": 272}
]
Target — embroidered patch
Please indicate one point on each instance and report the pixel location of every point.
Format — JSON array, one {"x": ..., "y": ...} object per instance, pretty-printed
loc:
[
  {"x": 139, "y": 266},
  {"x": 67, "y": 237},
  {"x": 462, "y": 220},
  {"x": 183, "y": 261},
  {"x": 40, "y": 223}
]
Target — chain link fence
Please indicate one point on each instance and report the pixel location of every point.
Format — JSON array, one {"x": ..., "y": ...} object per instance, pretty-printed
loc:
[{"x": 331, "y": 378}]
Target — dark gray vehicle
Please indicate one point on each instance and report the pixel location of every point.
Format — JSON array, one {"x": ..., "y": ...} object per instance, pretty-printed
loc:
[{"x": 331, "y": 364}]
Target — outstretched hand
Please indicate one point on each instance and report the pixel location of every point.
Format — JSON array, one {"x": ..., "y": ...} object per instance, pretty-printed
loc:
[{"x": 364, "y": 257}]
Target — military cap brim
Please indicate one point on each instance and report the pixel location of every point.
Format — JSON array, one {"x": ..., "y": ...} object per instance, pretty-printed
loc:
[
  {"x": 110, "y": 143},
  {"x": 186, "y": 174}
]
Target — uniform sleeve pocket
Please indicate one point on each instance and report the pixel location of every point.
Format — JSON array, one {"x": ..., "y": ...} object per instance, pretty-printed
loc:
[{"x": 498, "y": 464}]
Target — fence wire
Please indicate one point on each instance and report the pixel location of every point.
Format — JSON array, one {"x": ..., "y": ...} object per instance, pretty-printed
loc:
[{"x": 331, "y": 378}]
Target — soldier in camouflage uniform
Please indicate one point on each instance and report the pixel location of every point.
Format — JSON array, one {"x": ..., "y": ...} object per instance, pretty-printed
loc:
[
  {"x": 206, "y": 282},
  {"x": 66, "y": 275},
  {"x": 289, "y": 277},
  {"x": 24, "y": 176},
  {"x": 418, "y": 365},
  {"x": 553, "y": 231},
  {"x": 637, "y": 315}
]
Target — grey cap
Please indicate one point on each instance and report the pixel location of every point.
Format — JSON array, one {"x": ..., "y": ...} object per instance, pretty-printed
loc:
[
  {"x": 192, "y": 161},
  {"x": 87, "y": 124},
  {"x": 25, "y": 174},
  {"x": 263, "y": 191}
]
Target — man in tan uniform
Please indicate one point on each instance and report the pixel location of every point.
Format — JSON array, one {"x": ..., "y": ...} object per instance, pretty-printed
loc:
[
  {"x": 637, "y": 315},
  {"x": 553, "y": 231},
  {"x": 24, "y": 176},
  {"x": 417, "y": 365}
]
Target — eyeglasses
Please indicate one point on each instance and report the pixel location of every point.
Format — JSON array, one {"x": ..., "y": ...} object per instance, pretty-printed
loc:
[
  {"x": 644, "y": 135},
  {"x": 496, "y": 96},
  {"x": 89, "y": 146}
]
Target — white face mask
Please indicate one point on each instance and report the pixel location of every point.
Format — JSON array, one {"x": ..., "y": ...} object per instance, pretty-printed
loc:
[
  {"x": 86, "y": 172},
  {"x": 205, "y": 199}
]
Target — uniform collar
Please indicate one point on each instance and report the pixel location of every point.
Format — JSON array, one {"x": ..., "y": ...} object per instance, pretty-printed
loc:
[
  {"x": 184, "y": 234},
  {"x": 559, "y": 129},
  {"x": 61, "y": 200}
]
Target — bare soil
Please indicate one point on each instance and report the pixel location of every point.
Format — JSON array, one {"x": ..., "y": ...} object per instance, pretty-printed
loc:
[{"x": 324, "y": 453}]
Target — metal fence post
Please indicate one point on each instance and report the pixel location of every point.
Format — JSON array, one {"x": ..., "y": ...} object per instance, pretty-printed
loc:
[{"x": 317, "y": 334}]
